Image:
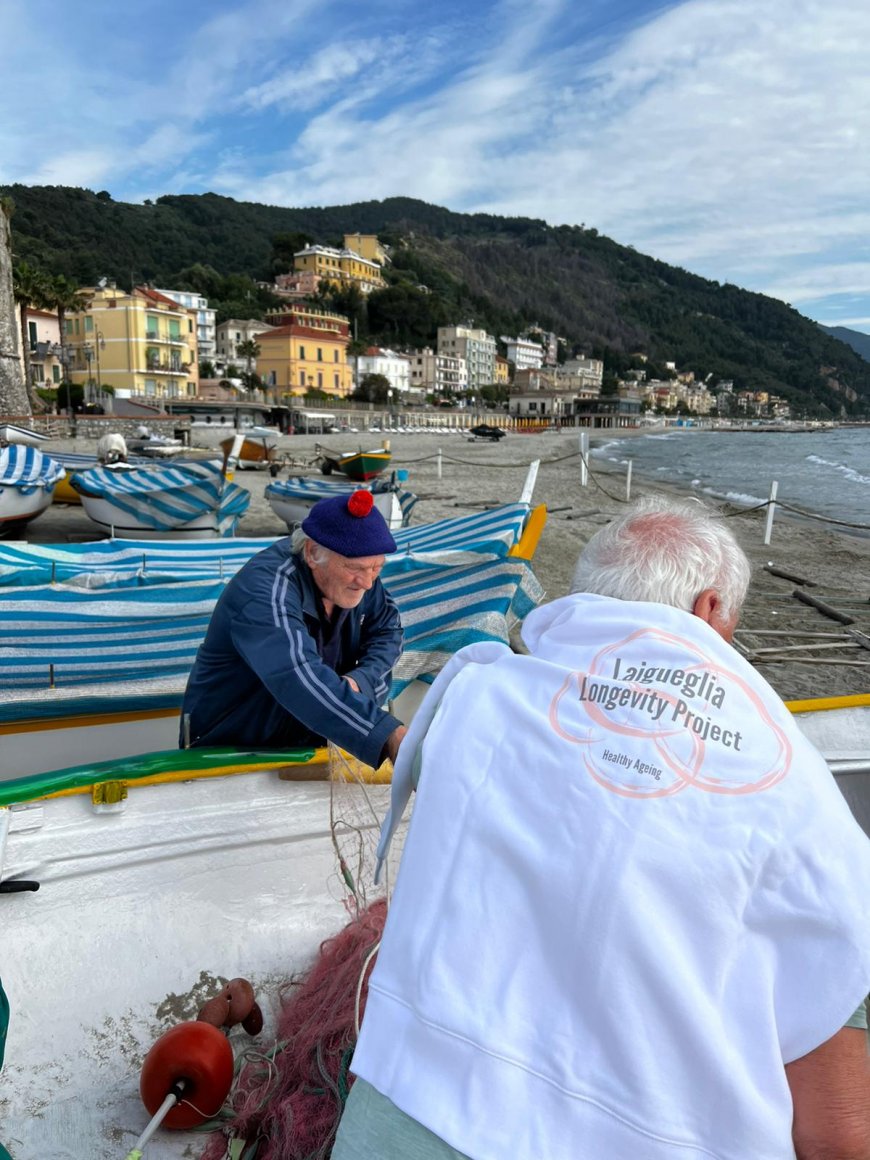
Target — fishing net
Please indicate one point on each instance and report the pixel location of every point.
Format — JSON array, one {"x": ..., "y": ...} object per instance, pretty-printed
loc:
[{"x": 288, "y": 1099}]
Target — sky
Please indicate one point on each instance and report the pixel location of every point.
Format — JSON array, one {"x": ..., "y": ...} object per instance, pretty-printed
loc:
[{"x": 728, "y": 137}]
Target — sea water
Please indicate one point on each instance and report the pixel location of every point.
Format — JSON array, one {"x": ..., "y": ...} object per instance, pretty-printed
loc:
[{"x": 824, "y": 471}]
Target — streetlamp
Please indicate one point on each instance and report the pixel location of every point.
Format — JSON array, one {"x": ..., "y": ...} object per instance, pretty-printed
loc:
[{"x": 63, "y": 353}]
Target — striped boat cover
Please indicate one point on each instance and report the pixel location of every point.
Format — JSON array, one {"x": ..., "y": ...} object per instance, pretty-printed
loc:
[
  {"x": 73, "y": 461},
  {"x": 26, "y": 469},
  {"x": 106, "y": 563},
  {"x": 168, "y": 497},
  {"x": 300, "y": 487},
  {"x": 130, "y": 634}
]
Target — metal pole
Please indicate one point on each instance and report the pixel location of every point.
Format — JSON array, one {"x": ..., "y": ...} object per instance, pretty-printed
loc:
[
  {"x": 628, "y": 481},
  {"x": 584, "y": 458},
  {"x": 771, "y": 507},
  {"x": 439, "y": 462}
]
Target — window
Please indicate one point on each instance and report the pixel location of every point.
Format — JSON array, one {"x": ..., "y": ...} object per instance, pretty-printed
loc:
[
  {"x": 320, "y": 378},
  {"x": 31, "y": 334},
  {"x": 335, "y": 354},
  {"x": 191, "y": 388},
  {"x": 89, "y": 324},
  {"x": 533, "y": 406},
  {"x": 302, "y": 378},
  {"x": 150, "y": 387},
  {"x": 335, "y": 381},
  {"x": 55, "y": 373},
  {"x": 320, "y": 354},
  {"x": 302, "y": 352}
]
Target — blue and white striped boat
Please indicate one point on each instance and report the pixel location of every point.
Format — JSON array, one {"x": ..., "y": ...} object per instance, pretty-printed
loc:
[
  {"x": 178, "y": 501},
  {"x": 292, "y": 499},
  {"x": 96, "y": 640},
  {"x": 27, "y": 481}
]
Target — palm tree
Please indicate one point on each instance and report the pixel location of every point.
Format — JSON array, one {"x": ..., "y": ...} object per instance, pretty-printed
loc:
[
  {"x": 64, "y": 295},
  {"x": 30, "y": 288},
  {"x": 248, "y": 349}
]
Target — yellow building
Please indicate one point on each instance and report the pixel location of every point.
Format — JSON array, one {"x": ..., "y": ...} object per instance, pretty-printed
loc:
[
  {"x": 142, "y": 344},
  {"x": 341, "y": 267},
  {"x": 306, "y": 351},
  {"x": 367, "y": 246},
  {"x": 502, "y": 370}
]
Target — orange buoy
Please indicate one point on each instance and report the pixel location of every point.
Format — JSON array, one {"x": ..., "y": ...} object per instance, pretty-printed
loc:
[{"x": 198, "y": 1059}]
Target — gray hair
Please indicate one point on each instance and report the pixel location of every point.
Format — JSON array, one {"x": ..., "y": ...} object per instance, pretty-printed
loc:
[
  {"x": 668, "y": 552},
  {"x": 298, "y": 540}
]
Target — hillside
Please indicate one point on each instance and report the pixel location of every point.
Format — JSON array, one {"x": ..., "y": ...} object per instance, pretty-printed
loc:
[
  {"x": 505, "y": 273},
  {"x": 859, "y": 342}
]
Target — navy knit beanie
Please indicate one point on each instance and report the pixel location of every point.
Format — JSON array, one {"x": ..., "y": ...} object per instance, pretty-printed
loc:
[{"x": 350, "y": 525}]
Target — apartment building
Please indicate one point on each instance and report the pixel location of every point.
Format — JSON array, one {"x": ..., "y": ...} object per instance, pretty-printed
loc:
[
  {"x": 42, "y": 335},
  {"x": 394, "y": 367},
  {"x": 524, "y": 354},
  {"x": 340, "y": 267},
  {"x": 476, "y": 347},
  {"x": 235, "y": 330},
  {"x": 205, "y": 319},
  {"x": 144, "y": 344},
  {"x": 438, "y": 374},
  {"x": 305, "y": 350}
]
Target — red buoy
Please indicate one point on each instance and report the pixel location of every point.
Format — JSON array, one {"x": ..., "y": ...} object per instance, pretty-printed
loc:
[{"x": 201, "y": 1056}]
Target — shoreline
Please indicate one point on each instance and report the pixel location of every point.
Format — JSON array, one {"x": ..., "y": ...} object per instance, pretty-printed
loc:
[{"x": 477, "y": 475}]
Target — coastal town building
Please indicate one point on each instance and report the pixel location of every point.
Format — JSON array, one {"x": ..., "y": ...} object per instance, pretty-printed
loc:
[
  {"x": 306, "y": 350},
  {"x": 396, "y": 368},
  {"x": 523, "y": 353},
  {"x": 502, "y": 370},
  {"x": 143, "y": 344},
  {"x": 234, "y": 331},
  {"x": 476, "y": 347},
  {"x": 346, "y": 266},
  {"x": 443, "y": 375},
  {"x": 568, "y": 379},
  {"x": 206, "y": 340},
  {"x": 590, "y": 371},
  {"x": 43, "y": 342},
  {"x": 296, "y": 285}
]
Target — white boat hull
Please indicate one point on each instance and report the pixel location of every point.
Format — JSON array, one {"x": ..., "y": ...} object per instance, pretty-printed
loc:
[
  {"x": 122, "y": 525},
  {"x": 293, "y": 510},
  {"x": 17, "y": 509}
]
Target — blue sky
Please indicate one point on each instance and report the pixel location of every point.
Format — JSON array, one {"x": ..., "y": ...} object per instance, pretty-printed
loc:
[{"x": 724, "y": 136}]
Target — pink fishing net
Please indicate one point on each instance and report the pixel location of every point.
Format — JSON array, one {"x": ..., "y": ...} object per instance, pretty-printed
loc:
[{"x": 290, "y": 1111}]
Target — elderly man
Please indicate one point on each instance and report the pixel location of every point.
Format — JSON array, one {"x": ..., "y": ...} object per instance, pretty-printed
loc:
[
  {"x": 633, "y": 912},
  {"x": 302, "y": 642}
]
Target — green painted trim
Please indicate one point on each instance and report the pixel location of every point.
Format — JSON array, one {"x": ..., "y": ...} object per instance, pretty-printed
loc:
[{"x": 131, "y": 769}]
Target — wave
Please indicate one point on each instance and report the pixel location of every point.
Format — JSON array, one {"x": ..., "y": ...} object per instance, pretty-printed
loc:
[{"x": 844, "y": 469}]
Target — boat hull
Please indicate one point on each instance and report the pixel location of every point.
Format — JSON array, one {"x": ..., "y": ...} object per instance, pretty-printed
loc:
[
  {"x": 359, "y": 466},
  {"x": 293, "y": 510},
  {"x": 17, "y": 509},
  {"x": 122, "y": 525}
]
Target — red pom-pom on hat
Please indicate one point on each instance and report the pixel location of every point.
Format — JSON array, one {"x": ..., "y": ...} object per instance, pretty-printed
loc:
[{"x": 360, "y": 503}]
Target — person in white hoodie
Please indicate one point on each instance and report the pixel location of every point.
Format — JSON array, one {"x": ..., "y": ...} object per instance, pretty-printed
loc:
[{"x": 632, "y": 917}]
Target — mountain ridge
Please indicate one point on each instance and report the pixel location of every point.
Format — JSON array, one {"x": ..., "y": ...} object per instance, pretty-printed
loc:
[{"x": 506, "y": 273}]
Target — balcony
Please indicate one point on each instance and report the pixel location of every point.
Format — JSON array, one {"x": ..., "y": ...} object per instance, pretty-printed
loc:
[{"x": 159, "y": 336}]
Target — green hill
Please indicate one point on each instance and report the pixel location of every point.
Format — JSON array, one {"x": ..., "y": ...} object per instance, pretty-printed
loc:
[
  {"x": 505, "y": 273},
  {"x": 858, "y": 341}
]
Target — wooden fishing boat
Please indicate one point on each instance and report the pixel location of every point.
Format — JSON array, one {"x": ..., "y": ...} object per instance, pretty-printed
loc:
[
  {"x": 177, "y": 501},
  {"x": 12, "y": 433},
  {"x": 159, "y": 879},
  {"x": 292, "y": 499},
  {"x": 255, "y": 447},
  {"x": 357, "y": 465},
  {"x": 27, "y": 482}
]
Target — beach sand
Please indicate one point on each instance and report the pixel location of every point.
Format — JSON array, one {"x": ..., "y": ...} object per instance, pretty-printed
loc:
[{"x": 478, "y": 474}]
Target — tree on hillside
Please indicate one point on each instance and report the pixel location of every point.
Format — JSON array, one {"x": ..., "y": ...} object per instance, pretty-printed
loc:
[
  {"x": 31, "y": 289},
  {"x": 13, "y": 393}
]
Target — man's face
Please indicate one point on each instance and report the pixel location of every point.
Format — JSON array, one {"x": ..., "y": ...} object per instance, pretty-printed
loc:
[{"x": 344, "y": 582}]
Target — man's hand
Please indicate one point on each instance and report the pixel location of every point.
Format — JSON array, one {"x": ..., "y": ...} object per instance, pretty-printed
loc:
[
  {"x": 352, "y": 683},
  {"x": 391, "y": 748}
]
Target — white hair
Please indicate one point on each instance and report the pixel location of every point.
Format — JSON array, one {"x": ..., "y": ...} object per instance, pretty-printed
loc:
[
  {"x": 298, "y": 540},
  {"x": 668, "y": 552}
]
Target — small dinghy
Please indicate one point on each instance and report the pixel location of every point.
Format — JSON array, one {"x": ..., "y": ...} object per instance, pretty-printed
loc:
[
  {"x": 27, "y": 482},
  {"x": 292, "y": 499},
  {"x": 177, "y": 501}
]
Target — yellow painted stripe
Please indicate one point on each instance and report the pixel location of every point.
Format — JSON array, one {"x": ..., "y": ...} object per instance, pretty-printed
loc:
[
  {"x": 528, "y": 542},
  {"x": 84, "y": 720},
  {"x": 819, "y": 704}
]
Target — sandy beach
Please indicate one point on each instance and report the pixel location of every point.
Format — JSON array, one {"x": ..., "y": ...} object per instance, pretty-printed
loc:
[{"x": 476, "y": 475}]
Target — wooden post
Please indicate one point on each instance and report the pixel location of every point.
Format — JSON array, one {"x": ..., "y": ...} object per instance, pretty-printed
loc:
[
  {"x": 529, "y": 485},
  {"x": 628, "y": 481},
  {"x": 771, "y": 507},
  {"x": 584, "y": 457}
]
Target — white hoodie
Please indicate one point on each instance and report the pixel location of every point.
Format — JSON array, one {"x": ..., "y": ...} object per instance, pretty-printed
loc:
[{"x": 631, "y": 891}]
